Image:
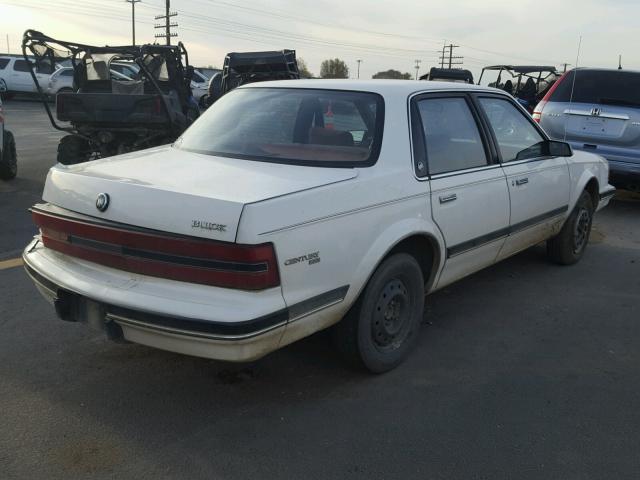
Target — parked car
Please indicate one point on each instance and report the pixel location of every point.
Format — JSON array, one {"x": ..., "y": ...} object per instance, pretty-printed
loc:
[
  {"x": 8, "y": 155},
  {"x": 199, "y": 86},
  {"x": 14, "y": 70},
  {"x": 598, "y": 110},
  {"x": 61, "y": 81},
  {"x": 293, "y": 206}
]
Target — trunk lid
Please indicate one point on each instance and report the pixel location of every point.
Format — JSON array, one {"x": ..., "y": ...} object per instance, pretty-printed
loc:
[{"x": 172, "y": 190}]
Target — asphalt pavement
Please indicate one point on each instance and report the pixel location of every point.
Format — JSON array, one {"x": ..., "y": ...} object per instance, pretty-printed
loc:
[{"x": 525, "y": 370}]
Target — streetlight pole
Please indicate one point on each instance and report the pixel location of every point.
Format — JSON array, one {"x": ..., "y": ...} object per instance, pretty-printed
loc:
[
  {"x": 359, "y": 61},
  {"x": 133, "y": 18}
]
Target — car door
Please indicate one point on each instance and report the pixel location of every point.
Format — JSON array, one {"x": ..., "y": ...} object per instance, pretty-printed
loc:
[
  {"x": 539, "y": 185},
  {"x": 20, "y": 77},
  {"x": 469, "y": 194}
]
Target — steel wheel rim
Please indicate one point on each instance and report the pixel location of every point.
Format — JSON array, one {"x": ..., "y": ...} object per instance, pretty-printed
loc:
[
  {"x": 581, "y": 230},
  {"x": 391, "y": 323}
]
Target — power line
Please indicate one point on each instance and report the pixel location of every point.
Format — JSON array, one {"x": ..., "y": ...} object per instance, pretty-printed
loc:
[
  {"x": 452, "y": 59},
  {"x": 168, "y": 24},
  {"x": 133, "y": 19},
  {"x": 249, "y": 32}
]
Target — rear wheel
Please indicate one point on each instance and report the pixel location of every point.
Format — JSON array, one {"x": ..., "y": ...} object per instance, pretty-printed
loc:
[
  {"x": 73, "y": 149},
  {"x": 382, "y": 327},
  {"x": 9, "y": 159},
  {"x": 569, "y": 245}
]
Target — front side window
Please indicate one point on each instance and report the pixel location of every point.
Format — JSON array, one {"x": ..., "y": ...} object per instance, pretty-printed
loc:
[
  {"x": 517, "y": 138},
  {"x": 451, "y": 135},
  {"x": 3, "y": 63},
  {"x": 291, "y": 125}
]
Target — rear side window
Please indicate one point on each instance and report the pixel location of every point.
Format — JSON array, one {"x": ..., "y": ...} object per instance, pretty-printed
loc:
[
  {"x": 291, "y": 125},
  {"x": 21, "y": 66},
  {"x": 600, "y": 86},
  {"x": 66, "y": 73},
  {"x": 3, "y": 63},
  {"x": 451, "y": 135},
  {"x": 517, "y": 138}
]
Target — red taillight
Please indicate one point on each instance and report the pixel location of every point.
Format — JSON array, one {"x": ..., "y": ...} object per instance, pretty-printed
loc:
[
  {"x": 187, "y": 259},
  {"x": 537, "y": 112}
]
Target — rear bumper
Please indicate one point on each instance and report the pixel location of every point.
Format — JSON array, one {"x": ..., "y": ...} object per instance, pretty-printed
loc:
[
  {"x": 623, "y": 163},
  {"x": 605, "y": 197},
  {"x": 198, "y": 320},
  {"x": 125, "y": 313}
]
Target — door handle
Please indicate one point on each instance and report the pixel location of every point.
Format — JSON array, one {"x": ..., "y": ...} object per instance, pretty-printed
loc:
[
  {"x": 448, "y": 198},
  {"x": 522, "y": 181}
]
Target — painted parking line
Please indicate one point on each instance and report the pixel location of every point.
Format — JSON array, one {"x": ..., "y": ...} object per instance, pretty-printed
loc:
[{"x": 11, "y": 263}]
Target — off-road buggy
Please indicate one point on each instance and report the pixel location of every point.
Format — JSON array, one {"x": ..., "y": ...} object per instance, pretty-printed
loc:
[
  {"x": 528, "y": 83},
  {"x": 107, "y": 114},
  {"x": 249, "y": 67}
]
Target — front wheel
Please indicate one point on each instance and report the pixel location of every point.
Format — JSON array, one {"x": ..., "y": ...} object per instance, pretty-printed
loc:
[
  {"x": 382, "y": 327},
  {"x": 9, "y": 159},
  {"x": 569, "y": 245}
]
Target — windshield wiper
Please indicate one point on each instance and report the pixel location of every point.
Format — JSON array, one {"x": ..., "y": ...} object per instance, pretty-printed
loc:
[{"x": 618, "y": 101}]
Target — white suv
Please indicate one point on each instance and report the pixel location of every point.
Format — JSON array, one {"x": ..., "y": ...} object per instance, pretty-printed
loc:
[
  {"x": 293, "y": 206},
  {"x": 15, "y": 72}
]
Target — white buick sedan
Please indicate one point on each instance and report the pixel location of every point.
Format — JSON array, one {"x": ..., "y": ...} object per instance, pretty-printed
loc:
[{"x": 294, "y": 206}]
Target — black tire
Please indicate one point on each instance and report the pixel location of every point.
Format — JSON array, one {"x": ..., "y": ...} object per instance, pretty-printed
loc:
[
  {"x": 9, "y": 159},
  {"x": 382, "y": 327},
  {"x": 569, "y": 245},
  {"x": 73, "y": 149}
]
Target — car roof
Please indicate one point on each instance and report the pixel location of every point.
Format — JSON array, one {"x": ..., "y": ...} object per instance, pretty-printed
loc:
[{"x": 382, "y": 87}]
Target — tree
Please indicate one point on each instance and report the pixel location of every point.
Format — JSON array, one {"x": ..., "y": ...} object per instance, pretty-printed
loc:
[
  {"x": 334, "y": 68},
  {"x": 393, "y": 74},
  {"x": 303, "y": 69}
]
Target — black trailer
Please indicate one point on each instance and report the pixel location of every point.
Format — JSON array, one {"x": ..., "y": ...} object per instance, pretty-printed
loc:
[
  {"x": 250, "y": 67},
  {"x": 108, "y": 115},
  {"x": 456, "y": 75}
]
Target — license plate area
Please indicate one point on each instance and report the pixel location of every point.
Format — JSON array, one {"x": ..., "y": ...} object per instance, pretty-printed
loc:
[{"x": 72, "y": 307}]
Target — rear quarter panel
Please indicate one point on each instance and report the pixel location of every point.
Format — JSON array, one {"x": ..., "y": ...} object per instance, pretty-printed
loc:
[{"x": 584, "y": 166}]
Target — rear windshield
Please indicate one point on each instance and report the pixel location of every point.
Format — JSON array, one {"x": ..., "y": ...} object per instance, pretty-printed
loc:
[
  {"x": 291, "y": 125},
  {"x": 598, "y": 86}
]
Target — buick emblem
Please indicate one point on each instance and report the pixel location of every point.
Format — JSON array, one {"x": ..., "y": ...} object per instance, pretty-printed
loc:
[{"x": 102, "y": 202}]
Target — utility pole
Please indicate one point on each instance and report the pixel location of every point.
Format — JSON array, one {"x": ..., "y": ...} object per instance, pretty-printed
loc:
[
  {"x": 564, "y": 67},
  {"x": 417, "y": 67},
  {"x": 8, "y": 43},
  {"x": 359, "y": 62},
  {"x": 133, "y": 19},
  {"x": 619, "y": 62},
  {"x": 167, "y": 23},
  {"x": 452, "y": 58}
]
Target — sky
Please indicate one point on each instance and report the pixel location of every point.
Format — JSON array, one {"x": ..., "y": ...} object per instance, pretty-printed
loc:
[{"x": 382, "y": 34}]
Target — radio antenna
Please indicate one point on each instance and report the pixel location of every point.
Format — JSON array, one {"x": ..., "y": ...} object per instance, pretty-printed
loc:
[{"x": 573, "y": 85}]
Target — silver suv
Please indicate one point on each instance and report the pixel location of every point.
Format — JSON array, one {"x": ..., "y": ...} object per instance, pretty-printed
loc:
[{"x": 598, "y": 110}]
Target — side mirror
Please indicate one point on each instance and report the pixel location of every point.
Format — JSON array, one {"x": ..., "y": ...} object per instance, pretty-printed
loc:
[{"x": 555, "y": 148}]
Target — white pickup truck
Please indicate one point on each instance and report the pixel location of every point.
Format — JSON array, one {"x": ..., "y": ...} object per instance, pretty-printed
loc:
[{"x": 294, "y": 206}]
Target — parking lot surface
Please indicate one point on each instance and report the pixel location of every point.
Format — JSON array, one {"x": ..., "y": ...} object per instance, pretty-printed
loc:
[{"x": 524, "y": 370}]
